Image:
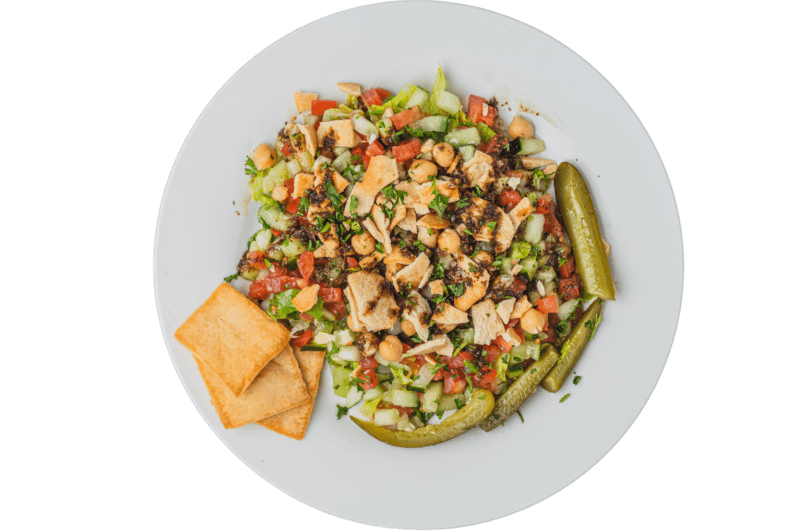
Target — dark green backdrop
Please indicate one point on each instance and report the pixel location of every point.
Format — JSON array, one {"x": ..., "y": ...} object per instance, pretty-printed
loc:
[{"x": 100, "y": 435}]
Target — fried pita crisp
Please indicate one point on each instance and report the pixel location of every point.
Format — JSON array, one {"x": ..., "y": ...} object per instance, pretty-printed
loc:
[
  {"x": 277, "y": 388},
  {"x": 233, "y": 337},
  {"x": 294, "y": 422}
]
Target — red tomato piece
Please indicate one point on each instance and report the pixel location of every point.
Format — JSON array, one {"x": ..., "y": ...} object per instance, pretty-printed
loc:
[
  {"x": 293, "y": 205},
  {"x": 286, "y": 148},
  {"x": 320, "y": 106},
  {"x": 256, "y": 260},
  {"x": 261, "y": 288},
  {"x": 501, "y": 344},
  {"x": 276, "y": 232},
  {"x": 374, "y": 149},
  {"x": 330, "y": 295},
  {"x": 303, "y": 339},
  {"x": 570, "y": 287},
  {"x": 357, "y": 153},
  {"x": 306, "y": 317},
  {"x": 368, "y": 363},
  {"x": 276, "y": 271},
  {"x": 548, "y": 304},
  {"x": 452, "y": 385},
  {"x": 375, "y": 96},
  {"x": 352, "y": 263},
  {"x": 509, "y": 198},
  {"x": 368, "y": 378},
  {"x": 289, "y": 184},
  {"x": 407, "y": 150},
  {"x": 406, "y": 348},
  {"x": 495, "y": 145},
  {"x": 475, "y": 111},
  {"x": 512, "y": 323},
  {"x": 568, "y": 267},
  {"x": 518, "y": 286},
  {"x": 403, "y": 118},
  {"x": 336, "y": 308},
  {"x": 305, "y": 264},
  {"x": 382, "y": 93}
]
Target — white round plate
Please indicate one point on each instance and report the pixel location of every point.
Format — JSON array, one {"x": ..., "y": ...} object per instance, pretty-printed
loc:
[{"x": 479, "y": 476}]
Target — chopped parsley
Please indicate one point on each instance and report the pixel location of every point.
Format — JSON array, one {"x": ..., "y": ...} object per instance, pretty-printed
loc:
[
  {"x": 353, "y": 204},
  {"x": 491, "y": 225},
  {"x": 379, "y": 247},
  {"x": 561, "y": 261},
  {"x": 333, "y": 195},
  {"x": 520, "y": 416},
  {"x": 577, "y": 379},
  {"x": 231, "y": 277},
  {"x": 458, "y": 290},
  {"x": 303, "y": 206},
  {"x": 341, "y": 411},
  {"x": 459, "y": 404},
  {"x": 592, "y": 324},
  {"x": 564, "y": 398}
]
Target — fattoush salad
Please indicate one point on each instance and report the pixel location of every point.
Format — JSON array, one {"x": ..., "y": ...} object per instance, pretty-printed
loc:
[{"x": 421, "y": 246}]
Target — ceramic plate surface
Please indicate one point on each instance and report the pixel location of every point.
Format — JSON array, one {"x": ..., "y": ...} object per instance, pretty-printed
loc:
[{"x": 201, "y": 236}]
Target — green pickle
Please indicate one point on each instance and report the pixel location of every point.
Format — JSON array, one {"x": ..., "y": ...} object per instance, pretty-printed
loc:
[
  {"x": 479, "y": 406},
  {"x": 572, "y": 348},
  {"x": 516, "y": 394},
  {"x": 577, "y": 211}
]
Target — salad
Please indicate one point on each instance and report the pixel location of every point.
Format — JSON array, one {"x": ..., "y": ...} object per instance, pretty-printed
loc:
[{"x": 416, "y": 243}]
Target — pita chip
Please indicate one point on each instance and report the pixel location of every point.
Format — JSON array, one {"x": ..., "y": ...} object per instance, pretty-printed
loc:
[
  {"x": 382, "y": 172},
  {"x": 372, "y": 301},
  {"x": 233, "y": 337}
]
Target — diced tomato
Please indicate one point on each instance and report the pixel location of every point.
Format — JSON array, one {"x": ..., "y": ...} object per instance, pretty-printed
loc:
[
  {"x": 518, "y": 286},
  {"x": 357, "y": 153},
  {"x": 304, "y": 221},
  {"x": 276, "y": 232},
  {"x": 543, "y": 205},
  {"x": 440, "y": 374},
  {"x": 336, "y": 308},
  {"x": 509, "y": 198},
  {"x": 352, "y": 263},
  {"x": 452, "y": 385},
  {"x": 320, "y": 106},
  {"x": 293, "y": 205},
  {"x": 568, "y": 267},
  {"x": 374, "y": 149},
  {"x": 512, "y": 323},
  {"x": 305, "y": 264},
  {"x": 286, "y": 282},
  {"x": 375, "y": 96},
  {"x": 548, "y": 304},
  {"x": 276, "y": 271},
  {"x": 501, "y": 344},
  {"x": 407, "y": 150},
  {"x": 403, "y": 118},
  {"x": 289, "y": 184},
  {"x": 261, "y": 288},
  {"x": 458, "y": 360},
  {"x": 306, "y": 317},
  {"x": 368, "y": 363},
  {"x": 330, "y": 295},
  {"x": 475, "y": 111},
  {"x": 286, "y": 148},
  {"x": 406, "y": 347},
  {"x": 551, "y": 223},
  {"x": 495, "y": 145},
  {"x": 303, "y": 339},
  {"x": 256, "y": 260},
  {"x": 570, "y": 287},
  {"x": 368, "y": 378},
  {"x": 518, "y": 329}
]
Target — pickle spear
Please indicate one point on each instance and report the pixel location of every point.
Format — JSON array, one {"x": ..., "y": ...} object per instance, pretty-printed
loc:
[
  {"x": 577, "y": 211},
  {"x": 573, "y": 346},
  {"x": 511, "y": 399},
  {"x": 479, "y": 406}
]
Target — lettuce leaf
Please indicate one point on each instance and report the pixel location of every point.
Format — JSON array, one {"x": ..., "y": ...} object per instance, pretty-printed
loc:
[
  {"x": 439, "y": 85},
  {"x": 399, "y": 102},
  {"x": 283, "y": 305},
  {"x": 369, "y": 407}
]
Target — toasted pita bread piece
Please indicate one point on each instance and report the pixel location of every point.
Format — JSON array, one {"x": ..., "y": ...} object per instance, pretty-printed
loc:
[
  {"x": 337, "y": 134},
  {"x": 233, "y": 337},
  {"x": 417, "y": 313},
  {"x": 487, "y": 222},
  {"x": 372, "y": 300},
  {"x": 302, "y": 184},
  {"x": 310, "y": 135},
  {"x": 520, "y": 307},
  {"x": 354, "y": 89},
  {"x": 294, "y": 422},
  {"x": 518, "y": 214},
  {"x": 446, "y": 314},
  {"x": 381, "y": 223},
  {"x": 438, "y": 342},
  {"x": 414, "y": 272},
  {"x": 278, "y": 387},
  {"x": 487, "y": 323},
  {"x": 479, "y": 170},
  {"x": 382, "y": 172},
  {"x": 504, "y": 309},
  {"x": 303, "y": 100},
  {"x": 475, "y": 279}
]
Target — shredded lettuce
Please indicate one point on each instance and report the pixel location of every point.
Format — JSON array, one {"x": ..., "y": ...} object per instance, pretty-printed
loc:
[
  {"x": 399, "y": 102},
  {"x": 369, "y": 407},
  {"x": 283, "y": 305},
  {"x": 520, "y": 250},
  {"x": 485, "y": 132},
  {"x": 439, "y": 86},
  {"x": 400, "y": 374}
]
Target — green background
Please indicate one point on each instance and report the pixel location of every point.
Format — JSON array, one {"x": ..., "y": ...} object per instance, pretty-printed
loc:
[{"x": 99, "y": 433}]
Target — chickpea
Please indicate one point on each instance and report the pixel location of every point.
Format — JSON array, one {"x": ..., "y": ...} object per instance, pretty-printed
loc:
[
  {"x": 391, "y": 349},
  {"x": 408, "y": 328},
  {"x": 422, "y": 171},
  {"x": 443, "y": 154},
  {"x": 484, "y": 258},
  {"x": 429, "y": 237},
  {"x": 520, "y": 127},
  {"x": 363, "y": 244},
  {"x": 449, "y": 241},
  {"x": 532, "y": 321},
  {"x": 352, "y": 326},
  {"x": 367, "y": 344},
  {"x": 264, "y": 156},
  {"x": 280, "y": 193}
]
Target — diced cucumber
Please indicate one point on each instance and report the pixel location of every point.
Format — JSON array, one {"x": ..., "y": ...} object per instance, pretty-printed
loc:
[
  {"x": 293, "y": 247},
  {"x": 276, "y": 176},
  {"x": 341, "y": 380},
  {"x": 530, "y": 146},
  {"x": 507, "y": 265},
  {"x": 528, "y": 266},
  {"x": 403, "y": 398},
  {"x": 354, "y": 395},
  {"x": 274, "y": 218},
  {"x": 418, "y": 97},
  {"x": 566, "y": 309},
  {"x": 364, "y": 126},
  {"x": 535, "y": 227},
  {"x": 321, "y": 160},
  {"x": 467, "y": 152},
  {"x": 526, "y": 350},
  {"x": 546, "y": 274},
  {"x": 462, "y": 137},
  {"x": 431, "y": 123},
  {"x": 264, "y": 239},
  {"x": 293, "y": 167},
  {"x": 430, "y": 400},
  {"x": 333, "y": 114},
  {"x": 448, "y": 401},
  {"x": 274, "y": 253},
  {"x": 372, "y": 393},
  {"x": 424, "y": 376},
  {"x": 386, "y": 416},
  {"x": 341, "y": 162},
  {"x": 349, "y": 353},
  {"x": 449, "y": 103}
]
